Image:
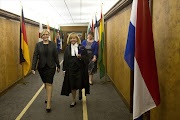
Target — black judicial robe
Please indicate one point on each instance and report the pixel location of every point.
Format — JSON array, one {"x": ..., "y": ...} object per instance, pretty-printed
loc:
[{"x": 83, "y": 63}]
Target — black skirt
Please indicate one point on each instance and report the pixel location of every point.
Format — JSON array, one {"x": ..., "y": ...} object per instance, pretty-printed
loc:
[
  {"x": 92, "y": 66},
  {"x": 75, "y": 77},
  {"x": 47, "y": 74}
]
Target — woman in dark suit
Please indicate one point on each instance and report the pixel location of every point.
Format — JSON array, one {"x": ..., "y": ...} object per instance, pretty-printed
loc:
[
  {"x": 75, "y": 69},
  {"x": 47, "y": 55}
]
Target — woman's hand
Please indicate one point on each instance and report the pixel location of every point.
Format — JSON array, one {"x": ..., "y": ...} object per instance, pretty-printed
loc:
[
  {"x": 33, "y": 72},
  {"x": 94, "y": 59},
  {"x": 58, "y": 69},
  {"x": 64, "y": 73},
  {"x": 78, "y": 55}
]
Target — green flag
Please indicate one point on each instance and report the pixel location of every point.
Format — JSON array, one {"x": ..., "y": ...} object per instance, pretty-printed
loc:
[{"x": 101, "y": 48}]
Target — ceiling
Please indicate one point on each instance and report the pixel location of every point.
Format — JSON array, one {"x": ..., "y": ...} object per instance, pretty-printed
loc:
[{"x": 59, "y": 12}]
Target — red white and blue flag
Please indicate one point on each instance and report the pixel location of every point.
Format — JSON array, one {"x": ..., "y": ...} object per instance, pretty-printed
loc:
[{"x": 140, "y": 57}]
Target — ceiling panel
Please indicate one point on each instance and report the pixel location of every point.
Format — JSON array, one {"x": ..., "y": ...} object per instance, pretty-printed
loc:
[{"x": 59, "y": 12}]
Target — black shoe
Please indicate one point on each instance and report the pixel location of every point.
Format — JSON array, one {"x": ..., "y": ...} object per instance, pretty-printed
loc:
[
  {"x": 45, "y": 101},
  {"x": 48, "y": 110},
  {"x": 72, "y": 105},
  {"x": 80, "y": 94},
  {"x": 80, "y": 98}
]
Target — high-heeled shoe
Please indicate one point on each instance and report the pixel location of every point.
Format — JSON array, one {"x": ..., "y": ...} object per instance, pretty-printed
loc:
[
  {"x": 80, "y": 97},
  {"x": 48, "y": 110},
  {"x": 72, "y": 105}
]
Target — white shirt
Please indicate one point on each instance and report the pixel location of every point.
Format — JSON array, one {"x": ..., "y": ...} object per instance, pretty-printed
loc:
[{"x": 74, "y": 49}]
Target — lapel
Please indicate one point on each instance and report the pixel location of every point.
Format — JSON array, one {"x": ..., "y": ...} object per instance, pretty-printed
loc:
[{"x": 69, "y": 50}]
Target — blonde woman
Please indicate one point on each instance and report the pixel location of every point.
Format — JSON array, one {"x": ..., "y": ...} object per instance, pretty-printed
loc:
[
  {"x": 47, "y": 55},
  {"x": 75, "y": 69}
]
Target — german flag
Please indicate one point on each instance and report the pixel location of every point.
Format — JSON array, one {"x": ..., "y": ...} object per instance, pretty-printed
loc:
[{"x": 24, "y": 50}]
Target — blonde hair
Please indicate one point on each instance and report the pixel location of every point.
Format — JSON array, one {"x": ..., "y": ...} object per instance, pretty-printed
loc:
[
  {"x": 73, "y": 35},
  {"x": 44, "y": 30}
]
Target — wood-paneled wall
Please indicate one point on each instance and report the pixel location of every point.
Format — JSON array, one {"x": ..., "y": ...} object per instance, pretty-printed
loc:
[
  {"x": 166, "y": 30},
  {"x": 10, "y": 70},
  {"x": 117, "y": 69}
]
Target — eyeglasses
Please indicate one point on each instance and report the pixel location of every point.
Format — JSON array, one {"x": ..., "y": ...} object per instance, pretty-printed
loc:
[{"x": 46, "y": 34}]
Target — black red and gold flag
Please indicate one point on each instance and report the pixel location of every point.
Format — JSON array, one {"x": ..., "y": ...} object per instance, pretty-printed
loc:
[{"x": 24, "y": 50}]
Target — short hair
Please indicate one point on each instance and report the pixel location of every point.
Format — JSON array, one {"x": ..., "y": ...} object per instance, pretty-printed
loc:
[
  {"x": 44, "y": 30},
  {"x": 71, "y": 35},
  {"x": 91, "y": 33}
]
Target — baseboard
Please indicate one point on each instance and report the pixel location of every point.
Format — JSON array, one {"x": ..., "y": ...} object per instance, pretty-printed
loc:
[
  {"x": 122, "y": 97},
  {"x": 12, "y": 85}
]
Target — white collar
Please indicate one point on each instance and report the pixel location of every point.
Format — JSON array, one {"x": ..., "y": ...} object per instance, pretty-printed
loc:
[
  {"x": 74, "y": 49},
  {"x": 75, "y": 45}
]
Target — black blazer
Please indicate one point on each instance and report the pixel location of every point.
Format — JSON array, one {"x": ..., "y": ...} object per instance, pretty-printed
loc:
[
  {"x": 39, "y": 54},
  {"x": 67, "y": 57}
]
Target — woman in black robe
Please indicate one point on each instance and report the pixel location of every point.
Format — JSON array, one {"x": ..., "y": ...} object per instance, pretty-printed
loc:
[{"x": 75, "y": 68}]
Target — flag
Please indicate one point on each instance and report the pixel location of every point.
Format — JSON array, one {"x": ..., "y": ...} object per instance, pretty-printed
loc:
[
  {"x": 54, "y": 36},
  {"x": 140, "y": 56},
  {"x": 89, "y": 28},
  {"x": 40, "y": 30},
  {"x": 58, "y": 41},
  {"x": 101, "y": 47},
  {"x": 92, "y": 28},
  {"x": 96, "y": 33},
  {"x": 61, "y": 37},
  {"x": 49, "y": 31},
  {"x": 24, "y": 50},
  {"x": 96, "y": 36}
]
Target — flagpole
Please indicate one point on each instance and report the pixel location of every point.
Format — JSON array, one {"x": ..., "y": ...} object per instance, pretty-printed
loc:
[
  {"x": 131, "y": 90},
  {"x": 105, "y": 53},
  {"x": 23, "y": 82}
]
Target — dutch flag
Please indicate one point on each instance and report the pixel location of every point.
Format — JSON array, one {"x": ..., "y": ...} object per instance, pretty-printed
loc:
[{"x": 140, "y": 57}]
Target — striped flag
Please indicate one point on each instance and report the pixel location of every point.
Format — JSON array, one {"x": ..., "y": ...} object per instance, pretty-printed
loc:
[
  {"x": 49, "y": 31},
  {"x": 58, "y": 41},
  {"x": 140, "y": 56},
  {"x": 40, "y": 30},
  {"x": 60, "y": 37},
  {"x": 96, "y": 36},
  {"x": 101, "y": 47},
  {"x": 54, "y": 36},
  {"x": 92, "y": 28},
  {"x": 24, "y": 50},
  {"x": 89, "y": 28}
]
